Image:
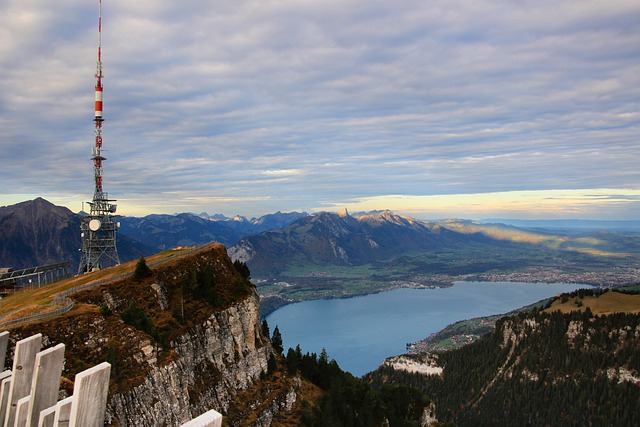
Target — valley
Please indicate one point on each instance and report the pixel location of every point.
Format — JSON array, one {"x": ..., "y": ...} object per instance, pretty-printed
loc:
[
  {"x": 330, "y": 255},
  {"x": 298, "y": 256},
  {"x": 443, "y": 268}
]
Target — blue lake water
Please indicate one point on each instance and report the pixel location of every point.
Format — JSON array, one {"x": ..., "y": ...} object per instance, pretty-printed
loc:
[{"x": 360, "y": 332}]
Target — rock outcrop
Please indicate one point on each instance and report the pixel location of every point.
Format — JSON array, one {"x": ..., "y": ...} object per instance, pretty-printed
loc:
[{"x": 214, "y": 361}]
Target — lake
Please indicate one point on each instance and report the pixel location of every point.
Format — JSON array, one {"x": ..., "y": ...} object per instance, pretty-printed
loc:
[{"x": 360, "y": 332}]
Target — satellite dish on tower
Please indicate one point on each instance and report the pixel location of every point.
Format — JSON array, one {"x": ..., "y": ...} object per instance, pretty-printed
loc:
[{"x": 94, "y": 225}]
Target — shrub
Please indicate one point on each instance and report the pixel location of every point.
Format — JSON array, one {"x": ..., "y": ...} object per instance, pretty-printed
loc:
[
  {"x": 105, "y": 310},
  {"x": 138, "y": 319},
  {"x": 142, "y": 270},
  {"x": 242, "y": 268}
]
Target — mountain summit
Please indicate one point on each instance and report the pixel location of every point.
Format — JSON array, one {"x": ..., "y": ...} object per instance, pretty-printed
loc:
[
  {"x": 343, "y": 213},
  {"x": 37, "y": 232},
  {"x": 340, "y": 239}
]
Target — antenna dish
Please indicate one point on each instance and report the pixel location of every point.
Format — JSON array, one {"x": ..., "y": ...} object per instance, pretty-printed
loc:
[{"x": 94, "y": 225}]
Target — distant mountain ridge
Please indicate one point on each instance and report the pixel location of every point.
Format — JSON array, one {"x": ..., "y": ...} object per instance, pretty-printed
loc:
[
  {"x": 338, "y": 254},
  {"x": 161, "y": 231},
  {"x": 246, "y": 227},
  {"x": 329, "y": 255},
  {"x": 37, "y": 232},
  {"x": 339, "y": 239}
]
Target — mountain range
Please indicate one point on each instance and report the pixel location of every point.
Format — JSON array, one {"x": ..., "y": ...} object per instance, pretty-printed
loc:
[
  {"x": 329, "y": 255},
  {"x": 340, "y": 239},
  {"x": 389, "y": 243},
  {"x": 296, "y": 256},
  {"x": 37, "y": 232},
  {"x": 163, "y": 232}
]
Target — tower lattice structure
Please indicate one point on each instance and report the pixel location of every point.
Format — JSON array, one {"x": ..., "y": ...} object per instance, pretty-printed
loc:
[{"x": 99, "y": 227}]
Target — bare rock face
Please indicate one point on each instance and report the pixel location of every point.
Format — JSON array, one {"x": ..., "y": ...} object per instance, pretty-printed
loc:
[
  {"x": 283, "y": 403},
  {"x": 215, "y": 360}
]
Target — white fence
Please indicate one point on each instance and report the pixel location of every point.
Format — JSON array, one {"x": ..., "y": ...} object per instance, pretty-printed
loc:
[{"x": 29, "y": 391}]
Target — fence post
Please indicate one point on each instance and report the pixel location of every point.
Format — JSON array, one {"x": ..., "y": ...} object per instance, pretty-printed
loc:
[
  {"x": 47, "y": 417},
  {"x": 208, "y": 419},
  {"x": 63, "y": 412},
  {"x": 23, "y": 365},
  {"x": 46, "y": 382},
  {"x": 22, "y": 413},
  {"x": 5, "y": 385},
  {"x": 90, "y": 397},
  {"x": 4, "y": 341}
]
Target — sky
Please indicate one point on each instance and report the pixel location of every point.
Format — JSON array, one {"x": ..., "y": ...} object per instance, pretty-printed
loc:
[{"x": 478, "y": 109}]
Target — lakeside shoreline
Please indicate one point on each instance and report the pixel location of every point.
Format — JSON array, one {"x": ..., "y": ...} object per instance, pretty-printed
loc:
[
  {"x": 361, "y": 332},
  {"x": 282, "y": 296}
]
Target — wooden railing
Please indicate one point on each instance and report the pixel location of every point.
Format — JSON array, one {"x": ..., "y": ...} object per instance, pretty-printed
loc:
[{"x": 29, "y": 391}]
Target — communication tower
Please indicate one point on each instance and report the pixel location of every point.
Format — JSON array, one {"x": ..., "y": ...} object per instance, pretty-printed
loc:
[{"x": 99, "y": 227}]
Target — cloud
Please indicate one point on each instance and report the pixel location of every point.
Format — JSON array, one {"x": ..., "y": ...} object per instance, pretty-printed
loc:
[
  {"x": 249, "y": 104},
  {"x": 527, "y": 204}
]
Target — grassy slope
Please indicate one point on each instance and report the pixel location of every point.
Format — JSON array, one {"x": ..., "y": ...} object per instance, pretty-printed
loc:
[
  {"x": 607, "y": 303},
  {"x": 37, "y": 300},
  {"x": 92, "y": 336}
]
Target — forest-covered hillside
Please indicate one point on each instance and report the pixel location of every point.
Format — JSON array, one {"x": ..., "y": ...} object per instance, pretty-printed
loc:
[{"x": 546, "y": 367}]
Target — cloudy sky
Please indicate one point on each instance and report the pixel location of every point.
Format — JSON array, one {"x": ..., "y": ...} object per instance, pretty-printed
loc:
[{"x": 438, "y": 108}]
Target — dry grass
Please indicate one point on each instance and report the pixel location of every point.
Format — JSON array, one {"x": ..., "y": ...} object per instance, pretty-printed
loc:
[
  {"x": 38, "y": 300},
  {"x": 607, "y": 303},
  {"x": 92, "y": 336}
]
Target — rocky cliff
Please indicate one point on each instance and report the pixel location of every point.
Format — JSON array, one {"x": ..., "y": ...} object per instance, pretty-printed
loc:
[
  {"x": 183, "y": 340},
  {"x": 214, "y": 360}
]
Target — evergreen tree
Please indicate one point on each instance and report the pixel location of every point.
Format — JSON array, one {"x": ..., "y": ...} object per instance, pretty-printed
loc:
[
  {"x": 138, "y": 319},
  {"x": 276, "y": 341},
  {"x": 293, "y": 363},
  {"x": 272, "y": 365},
  {"x": 324, "y": 357},
  {"x": 242, "y": 268},
  {"x": 142, "y": 270}
]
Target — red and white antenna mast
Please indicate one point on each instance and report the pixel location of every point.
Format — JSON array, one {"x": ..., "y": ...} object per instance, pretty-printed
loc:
[
  {"x": 99, "y": 228},
  {"x": 97, "y": 151}
]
